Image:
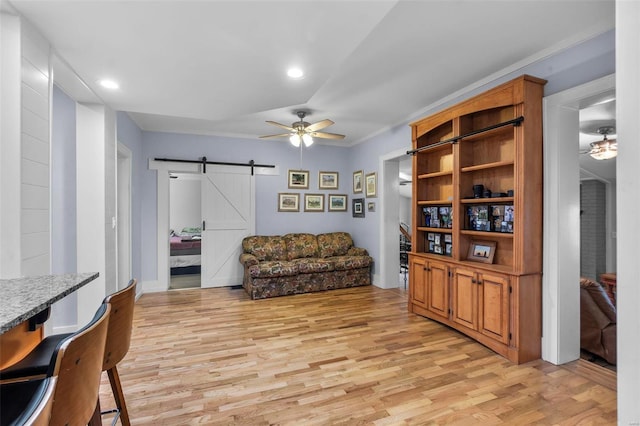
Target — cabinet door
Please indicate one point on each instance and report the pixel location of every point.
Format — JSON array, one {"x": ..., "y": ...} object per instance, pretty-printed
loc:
[
  {"x": 438, "y": 289},
  {"x": 465, "y": 298},
  {"x": 494, "y": 306},
  {"x": 418, "y": 281}
]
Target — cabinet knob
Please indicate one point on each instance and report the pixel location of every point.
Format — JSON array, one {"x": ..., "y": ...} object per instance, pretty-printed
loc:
[{"x": 473, "y": 280}]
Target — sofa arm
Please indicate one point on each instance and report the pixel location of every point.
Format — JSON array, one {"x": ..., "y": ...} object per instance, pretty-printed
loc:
[
  {"x": 357, "y": 251},
  {"x": 248, "y": 259}
]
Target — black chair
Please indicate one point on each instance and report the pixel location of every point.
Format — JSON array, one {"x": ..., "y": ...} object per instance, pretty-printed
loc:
[
  {"x": 27, "y": 403},
  {"x": 74, "y": 370}
]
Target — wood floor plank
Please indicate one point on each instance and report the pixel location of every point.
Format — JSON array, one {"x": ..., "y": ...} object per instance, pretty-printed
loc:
[{"x": 342, "y": 357}]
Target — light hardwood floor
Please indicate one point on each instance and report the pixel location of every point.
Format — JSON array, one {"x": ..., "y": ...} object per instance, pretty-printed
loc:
[{"x": 352, "y": 356}]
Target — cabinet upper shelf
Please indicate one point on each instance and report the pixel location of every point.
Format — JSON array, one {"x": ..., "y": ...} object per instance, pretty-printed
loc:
[
  {"x": 486, "y": 166},
  {"x": 435, "y": 174}
]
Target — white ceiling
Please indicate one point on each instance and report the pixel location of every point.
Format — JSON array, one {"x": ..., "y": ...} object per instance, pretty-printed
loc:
[{"x": 218, "y": 67}]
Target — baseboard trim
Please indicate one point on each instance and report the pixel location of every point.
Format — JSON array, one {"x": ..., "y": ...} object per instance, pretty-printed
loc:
[{"x": 64, "y": 329}]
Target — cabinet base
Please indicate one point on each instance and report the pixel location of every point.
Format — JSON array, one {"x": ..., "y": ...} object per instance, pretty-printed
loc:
[{"x": 510, "y": 352}]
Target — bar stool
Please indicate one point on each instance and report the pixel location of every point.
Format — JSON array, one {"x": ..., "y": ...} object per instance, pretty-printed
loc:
[
  {"x": 118, "y": 342},
  {"x": 76, "y": 367},
  {"x": 117, "y": 345}
]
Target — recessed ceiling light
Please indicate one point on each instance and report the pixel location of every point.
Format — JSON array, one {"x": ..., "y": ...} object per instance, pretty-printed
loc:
[
  {"x": 108, "y": 84},
  {"x": 295, "y": 73}
]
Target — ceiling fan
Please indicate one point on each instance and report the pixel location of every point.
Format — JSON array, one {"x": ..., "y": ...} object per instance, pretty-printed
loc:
[
  {"x": 301, "y": 131},
  {"x": 604, "y": 149}
]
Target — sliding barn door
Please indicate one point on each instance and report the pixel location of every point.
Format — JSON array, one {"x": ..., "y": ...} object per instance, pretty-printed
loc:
[{"x": 228, "y": 210}]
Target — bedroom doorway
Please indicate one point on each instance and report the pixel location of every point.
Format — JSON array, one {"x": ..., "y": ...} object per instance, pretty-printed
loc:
[
  {"x": 185, "y": 230},
  {"x": 220, "y": 247},
  {"x": 123, "y": 215}
]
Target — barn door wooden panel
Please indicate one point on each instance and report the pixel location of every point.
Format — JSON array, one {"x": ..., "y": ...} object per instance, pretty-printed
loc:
[{"x": 228, "y": 215}]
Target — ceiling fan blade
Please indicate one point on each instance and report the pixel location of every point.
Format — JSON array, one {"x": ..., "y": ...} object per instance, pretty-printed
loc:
[
  {"x": 291, "y": 129},
  {"x": 319, "y": 125},
  {"x": 326, "y": 135},
  {"x": 281, "y": 135}
]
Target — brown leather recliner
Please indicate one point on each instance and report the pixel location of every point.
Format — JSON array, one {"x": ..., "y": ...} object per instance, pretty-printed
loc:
[{"x": 598, "y": 322}]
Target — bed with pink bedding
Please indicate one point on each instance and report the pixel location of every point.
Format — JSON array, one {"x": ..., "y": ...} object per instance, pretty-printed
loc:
[{"x": 184, "y": 254}]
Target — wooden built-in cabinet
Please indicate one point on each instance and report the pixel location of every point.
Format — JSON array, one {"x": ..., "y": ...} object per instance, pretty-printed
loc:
[{"x": 495, "y": 140}]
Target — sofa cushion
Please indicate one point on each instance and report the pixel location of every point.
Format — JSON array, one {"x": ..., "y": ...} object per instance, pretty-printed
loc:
[
  {"x": 343, "y": 263},
  {"x": 274, "y": 268},
  {"x": 265, "y": 247},
  {"x": 300, "y": 246},
  {"x": 334, "y": 244},
  {"x": 311, "y": 265}
]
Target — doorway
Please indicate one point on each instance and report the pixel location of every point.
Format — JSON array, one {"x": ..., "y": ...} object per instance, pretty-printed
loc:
[
  {"x": 225, "y": 270},
  {"x": 391, "y": 200},
  {"x": 185, "y": 230},
  {"x": 123, "y": 216},
  {"x": 561, "y": 233}
]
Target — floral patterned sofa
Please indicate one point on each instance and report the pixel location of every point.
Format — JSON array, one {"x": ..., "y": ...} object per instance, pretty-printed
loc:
[{"x": 302, "y": 263}]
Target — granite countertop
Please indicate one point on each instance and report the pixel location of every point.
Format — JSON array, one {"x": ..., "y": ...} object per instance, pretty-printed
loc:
[{"x": 21, "y": 298}]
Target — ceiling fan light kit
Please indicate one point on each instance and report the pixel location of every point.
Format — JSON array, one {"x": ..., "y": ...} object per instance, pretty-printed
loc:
[
  {"x": 606, "y": 148},
  {"x": 303, "y": 132}
]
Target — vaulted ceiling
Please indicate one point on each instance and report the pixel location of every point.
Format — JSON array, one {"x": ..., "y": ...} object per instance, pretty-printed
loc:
[{"x": 219, "y": 67}]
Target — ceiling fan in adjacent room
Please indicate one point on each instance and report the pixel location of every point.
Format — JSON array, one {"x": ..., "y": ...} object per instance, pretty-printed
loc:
[
  {"x": 301, "y": 131},
  {"x": 604, "y": 149}
]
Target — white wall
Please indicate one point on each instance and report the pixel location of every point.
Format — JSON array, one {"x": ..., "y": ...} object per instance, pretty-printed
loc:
[
  {"x": 10, "y": 73},
  {"x": 185, "y": 206},
  {"x": 90, "y": 201},
  {"x": 404, "y": 211},
  {"x": 35, "y": 88},
  {"x": 628, "y": 199},
  {"x": 24, "y": 181}
]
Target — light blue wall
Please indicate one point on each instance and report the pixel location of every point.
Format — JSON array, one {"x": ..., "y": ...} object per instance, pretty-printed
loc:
[
  {"x": 587, "y": 61},
  {"x": 63, "y": 199},
  {"x": 130, "y": 135},
  {"x": 268, "y": 220}
]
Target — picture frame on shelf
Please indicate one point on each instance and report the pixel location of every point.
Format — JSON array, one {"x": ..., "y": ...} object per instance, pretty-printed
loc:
[
  {"x": 337, "y": 202},
  {"x": 288, "y": 202},
  {"x": 482, "y": 251},
  {"x": 357, "y": 207},
  {"x": 313, "y": 202},
  {"x": 298, "y": 179},
  {"x": 357, "y": 181},
  {"x": 371, "y": 185},
  {"x": 327, "y": 180}
]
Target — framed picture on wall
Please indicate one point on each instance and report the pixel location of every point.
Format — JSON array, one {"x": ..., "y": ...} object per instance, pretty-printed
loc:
[
  {"x": 371, "y": 184},
  {"x": 358, "y": 207},
  {"x": 298, "y": 179},
  {"x": 357, "y": 181},
  {"x": 288, "y": 202},
  {"x": 313, "y": 202},
  {"x": 328, "y": 180},
  {"x": 337, "y": 202}
]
